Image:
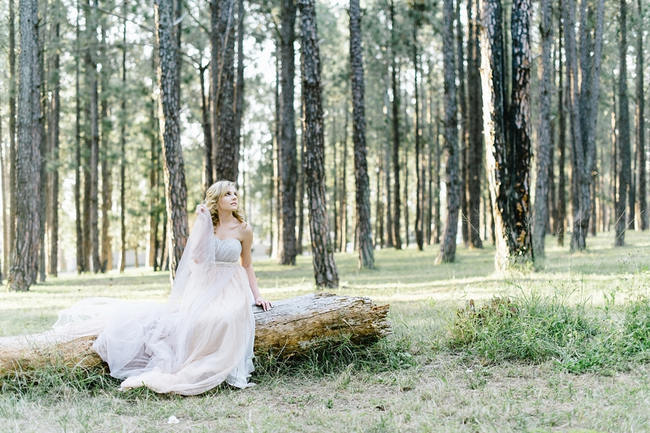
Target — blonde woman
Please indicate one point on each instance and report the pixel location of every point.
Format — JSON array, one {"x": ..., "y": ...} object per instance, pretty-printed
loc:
[{"x": 203, "y": 335}]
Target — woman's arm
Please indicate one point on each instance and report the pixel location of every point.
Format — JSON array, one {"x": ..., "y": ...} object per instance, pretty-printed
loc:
[{"x": 247, "y": 263}]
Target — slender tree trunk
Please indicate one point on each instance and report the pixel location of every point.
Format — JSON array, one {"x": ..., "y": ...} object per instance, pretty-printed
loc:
[
  {"x": 301, "y": 192},
  {"x": 90, "y": 62},
  {"x": 430, "y": 156},
  {"x": 448, "y": 246},
  {"x": 561, "y": 141},
  {"x": 343, "y": 214},
  {"x": 397, "y": 239},
  {"x": 578, "y": 180},
  {"x": 463, "y": 142},
  {"x": 239, "y": 85},
  {"x": 623, "y": 125},
  {"x": 387, "y": 165},
  {"x": 174, "y": 171},
  {"x": 45, "y": 44},
  {"x": 325, "y": 272},
  {"x": 586, "y": 114},
  {"x": 552, "y": 196},
  {"x": 362, "y": 184},
  {"x": 335, "y": 183},
  {"x": 54, "y": 155},
  {"x": 436, "y": 178},
  {"x": 475, "y": 126},
  {"x": 275, "y": 240},
  {"x": 5, "y": 234},
  {"x": 207, "y": 130},
  {"x": 223, "y": 78},
  {"x": 405, "y": 198},
  {"x": 640, "y": 127},
  {"x": 419, "y": 226},
  {"x": 544, "y": 142},
  {"x": 12, "y": 131},
  {"x": 106, "y": 261},
  {"x": 24, "y": 255},
  {"x": 80, "y": 238},
  {"x": 287, "y": 144}
]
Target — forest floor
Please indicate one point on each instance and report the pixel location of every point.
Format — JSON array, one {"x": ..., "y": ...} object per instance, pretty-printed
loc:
[{"x": 416, "y": 381}]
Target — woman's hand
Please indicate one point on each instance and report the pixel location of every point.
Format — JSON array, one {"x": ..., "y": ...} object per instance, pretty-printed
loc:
[
  {"x": 261, "y": 302},
  {"x": 201, "y": 209}
]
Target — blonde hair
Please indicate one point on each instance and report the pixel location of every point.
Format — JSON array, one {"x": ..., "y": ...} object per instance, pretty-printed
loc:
[{"x": 215, "y": 192}]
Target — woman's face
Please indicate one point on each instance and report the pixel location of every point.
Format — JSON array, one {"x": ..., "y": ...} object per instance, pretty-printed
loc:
[{"x": 230, "y": 200}]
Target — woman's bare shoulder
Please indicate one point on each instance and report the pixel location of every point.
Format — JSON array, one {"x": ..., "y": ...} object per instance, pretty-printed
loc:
[{"x": 245, "y": 229}]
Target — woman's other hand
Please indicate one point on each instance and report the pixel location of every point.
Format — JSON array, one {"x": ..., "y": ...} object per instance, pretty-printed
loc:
[{"x": 261, "y": 302}]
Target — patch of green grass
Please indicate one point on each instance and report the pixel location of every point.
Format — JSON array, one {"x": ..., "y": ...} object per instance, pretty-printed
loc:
[{"x": 537, "y": 329}]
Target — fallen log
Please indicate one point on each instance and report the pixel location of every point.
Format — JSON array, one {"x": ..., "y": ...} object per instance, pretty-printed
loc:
[{"x": 292, "y": 328}]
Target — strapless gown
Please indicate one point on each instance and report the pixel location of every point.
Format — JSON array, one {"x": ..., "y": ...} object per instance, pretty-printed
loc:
[{"x": 202, "y": 336}]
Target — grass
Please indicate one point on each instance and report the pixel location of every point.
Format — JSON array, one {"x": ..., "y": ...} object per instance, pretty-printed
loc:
[{"x": 503, "y": 365}]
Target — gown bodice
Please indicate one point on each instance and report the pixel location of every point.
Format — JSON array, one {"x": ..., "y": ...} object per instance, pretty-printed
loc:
[{"x": 226, "y": 250}]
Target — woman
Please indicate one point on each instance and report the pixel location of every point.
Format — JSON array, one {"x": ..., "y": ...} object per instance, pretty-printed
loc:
[{"x": 204, "y": 334}]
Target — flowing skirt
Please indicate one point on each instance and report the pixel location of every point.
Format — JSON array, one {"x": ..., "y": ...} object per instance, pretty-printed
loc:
[{"x": 188, "y": 345}]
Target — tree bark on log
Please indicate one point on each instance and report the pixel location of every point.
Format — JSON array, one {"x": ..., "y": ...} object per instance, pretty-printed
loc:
[{"x": 292, "y": 328}]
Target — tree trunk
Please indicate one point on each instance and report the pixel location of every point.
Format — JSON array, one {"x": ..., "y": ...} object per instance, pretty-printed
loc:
[
  {"x": 586, "y": 114},
  {"x": 301, "y": 193},
  {"x": 463, "y": 142},
  {"x": 561, "y": 141},
  {"x": 325, "y": 271},
  {"x": 53, "y": 130},
  {"x": 80, "y": 238},
  {"x": 475, "y": 126},
  {"x": 154, "y": 171},
  {"x": 578, "y": 180},
  {"x": 45, "y": 44},
  {"x": 642, "y": 210},
  {"x": 106, "y": 262},
  {"x": 90, "y": 62},
  {"x": 436, "y": 178},
  {"x": 623, "y": 125},
  {"x": 223, "y": 80},
  {"x": 287, "y": 144},
  {"x": 397, "y": 239},
  {"x": 293, "y": 328},
  {"x": 419, "y": 226},
  {"x": 544, "y": 141},
  {"x": 335, "y": 183},
  {"x": 387, "y": 164},
  {"x": 24, "y": 255},
  {"x": 207, "y": 130},
  {"x": 343, "y": 197},
  {"x": 239, "y": 85},
  {"x": 362, "y": 184},
  {"x": 174, "y": 171},
  {"x": 508, "y": 153},
  {"x": 12, "y": 133},
  {"x": 448, "y": 246},
  {"x": 3, "y": 178}
]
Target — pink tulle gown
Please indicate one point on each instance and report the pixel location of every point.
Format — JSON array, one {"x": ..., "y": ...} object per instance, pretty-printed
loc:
[{"x": 202, "y": 336}]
